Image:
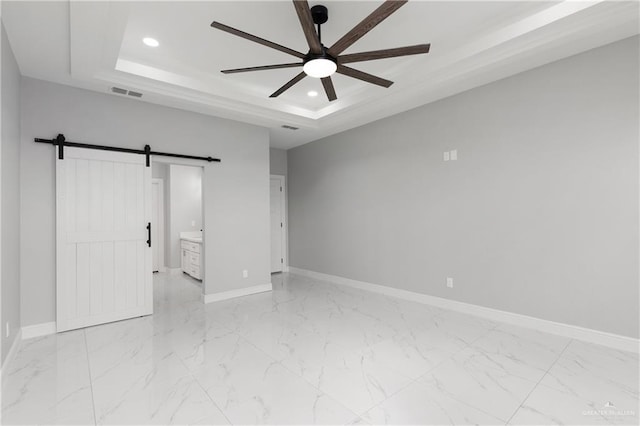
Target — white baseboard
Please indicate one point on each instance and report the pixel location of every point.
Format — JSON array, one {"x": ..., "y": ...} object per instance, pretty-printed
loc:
[
  {"x": 15, "y": 346},
  {"x": 615, "y": 341},
  {"x": 231, "y": 294},
  {"x": 38, "y": 330}
]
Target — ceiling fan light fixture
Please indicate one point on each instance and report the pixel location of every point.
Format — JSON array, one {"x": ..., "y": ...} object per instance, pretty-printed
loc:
[{"x": 320, "y": 67}]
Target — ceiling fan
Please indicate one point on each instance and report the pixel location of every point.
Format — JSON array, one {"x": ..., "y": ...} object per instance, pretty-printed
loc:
[{"x": 321, "y": 62}]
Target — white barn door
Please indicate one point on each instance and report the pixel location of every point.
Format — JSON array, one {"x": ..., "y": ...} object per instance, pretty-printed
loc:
[
  {"x": 103, "y": 206},
  {"x": 156, "y": 223}
]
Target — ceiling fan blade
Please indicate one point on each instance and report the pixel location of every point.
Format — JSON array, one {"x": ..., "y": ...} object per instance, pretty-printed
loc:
[
  {"x": 360, "y": 75},
  {"x": 329, "y": 89},
  {"x": 288, "y": 85},
  {"x": 385, "y": 53},
  {"x": 367, "y": 24},
  {"x": 306, "y": 20},
  {"x": 256, "y": 39},
  {"x": 263, "y": 67}
]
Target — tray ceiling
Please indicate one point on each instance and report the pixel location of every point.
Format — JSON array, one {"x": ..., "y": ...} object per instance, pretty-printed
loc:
[{"x": 98, "y": 45}]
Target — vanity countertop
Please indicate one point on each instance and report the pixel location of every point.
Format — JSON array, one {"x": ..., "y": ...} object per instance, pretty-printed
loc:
[
  {"x": 192, "y": 239},
  {"x": 192, "y": 236}
]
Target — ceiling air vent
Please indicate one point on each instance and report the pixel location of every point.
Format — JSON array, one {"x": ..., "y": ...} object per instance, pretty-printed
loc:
[
  {"x": 121, "y": 91},
  {"x": 285, "y": 126},
  {"x": 118, "y": 90}
]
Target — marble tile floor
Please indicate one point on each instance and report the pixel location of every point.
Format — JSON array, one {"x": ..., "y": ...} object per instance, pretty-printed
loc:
[{"x": 311, "y": 352}]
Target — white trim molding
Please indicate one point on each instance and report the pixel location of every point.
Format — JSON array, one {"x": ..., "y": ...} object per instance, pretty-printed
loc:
[
  {"x": 611, "y": 340},
  {"x": 38, "y": 330},
  {"x": 13, "y": 351},
  {"x": 232, "y": 294}
]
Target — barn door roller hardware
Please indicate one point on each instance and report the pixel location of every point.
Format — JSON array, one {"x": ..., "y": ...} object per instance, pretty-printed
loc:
[{"x": 61, "y": 142}]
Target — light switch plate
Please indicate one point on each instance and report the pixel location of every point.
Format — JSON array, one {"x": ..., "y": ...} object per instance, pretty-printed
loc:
[
  {"x": 453, "y": 155},
  {"x": 245, "y": 274},
  {"x": 445, "y": 157},
  {"x": 449, "y": 282}
]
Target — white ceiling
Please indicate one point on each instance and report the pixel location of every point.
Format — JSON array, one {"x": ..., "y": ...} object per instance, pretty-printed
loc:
[{"x": 97, "y": 45}]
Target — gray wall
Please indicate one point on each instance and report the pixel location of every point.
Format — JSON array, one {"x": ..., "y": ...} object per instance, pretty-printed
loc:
[
  {"x": 186, "y": 206},
  {"x": 10, "y": 198},
  {"x": 236, "y": 198},
  {"x": 539, "y": 215},
  {"x": 278, "y": 161},
  {"x": 161, "y": 171}
]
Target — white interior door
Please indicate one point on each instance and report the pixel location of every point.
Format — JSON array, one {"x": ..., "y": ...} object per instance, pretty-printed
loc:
[
  {"x": 276, "y": 225},
  {"x": 103, "y": 205}
]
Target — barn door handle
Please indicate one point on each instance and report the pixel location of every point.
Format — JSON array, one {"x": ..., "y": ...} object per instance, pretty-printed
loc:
[{"x": 149, "y": 234}]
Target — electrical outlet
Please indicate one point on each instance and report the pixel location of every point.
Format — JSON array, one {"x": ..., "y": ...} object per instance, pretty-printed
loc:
[
  {"x": 245, "y": 274},
  {"x": 7, "y": 332},
  {"x": 453, "y": 155},
  {"x": 445, "y": 156},
  {"x": 193, "y": 223},
  {"x": 449, "y": 282}
]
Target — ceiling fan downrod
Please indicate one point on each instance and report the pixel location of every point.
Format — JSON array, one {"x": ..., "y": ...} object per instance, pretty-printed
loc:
[{"x": 320, "y": 15}]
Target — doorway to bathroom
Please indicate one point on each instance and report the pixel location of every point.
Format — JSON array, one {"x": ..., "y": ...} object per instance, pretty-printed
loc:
[{"x": 177, "y": 222}]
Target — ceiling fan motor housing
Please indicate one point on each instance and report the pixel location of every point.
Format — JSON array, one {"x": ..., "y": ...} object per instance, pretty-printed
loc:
[
  {"x": 319, "y": 14},
  {"x": 324, "y": 55}
]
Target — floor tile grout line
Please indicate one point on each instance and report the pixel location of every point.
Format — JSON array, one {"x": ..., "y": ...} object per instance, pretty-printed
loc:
[
  {"x": 417, "y": 379},
  {"x": 539, "y": 381},
  {"x": 316, "y": 387},
  {"x": 279, "y": 362},
  {"x": 93, "y": 402},
  {"x": 195, "y": 379},
  {"x": 193, "y": 376},
  {"x": 532, "y": 389},
  {"x": 411, "y": 382},
  {"x": 453, "y": 354},
  {"x": 522, "y": 377},
  {"x": 276, "y": 361}
]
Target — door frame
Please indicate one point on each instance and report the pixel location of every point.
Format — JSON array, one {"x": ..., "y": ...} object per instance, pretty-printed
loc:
[
  {"x": 162, "y": 267},
  {"x": 206, "y": 171},
  {"x": 285, "y": 221}
]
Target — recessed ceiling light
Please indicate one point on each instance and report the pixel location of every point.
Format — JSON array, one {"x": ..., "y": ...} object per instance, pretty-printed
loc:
[
  {"x": 312, "y": 93},
  {"x": 151, "y": 42}
]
